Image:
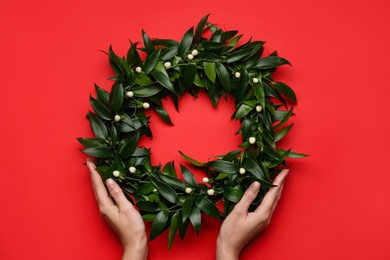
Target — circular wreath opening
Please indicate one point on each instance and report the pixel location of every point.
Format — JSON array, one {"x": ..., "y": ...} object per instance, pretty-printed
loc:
[{"x": 220, "y": 66}]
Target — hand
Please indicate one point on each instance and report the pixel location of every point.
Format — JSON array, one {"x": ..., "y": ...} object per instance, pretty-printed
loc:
[
  {"x": 241, "y": 226},
  {"x": 120, "y": 214}
]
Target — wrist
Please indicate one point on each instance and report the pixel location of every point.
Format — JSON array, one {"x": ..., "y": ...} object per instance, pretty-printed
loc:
[
  {"x": 226, "y": 252},
  {"x": 137, "y": 251}
]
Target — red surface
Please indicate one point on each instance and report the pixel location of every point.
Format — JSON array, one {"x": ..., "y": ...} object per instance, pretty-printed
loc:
[{"x": 335, "y": 203}]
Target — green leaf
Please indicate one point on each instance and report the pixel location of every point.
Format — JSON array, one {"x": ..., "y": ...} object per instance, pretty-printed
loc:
[
  {"x": 209, "y": 69},
  {"x": 133, "y": 58},
  {"x": 101, "y": 94},
  {"x": 208, "y": 207},
  {"x": 199, "y": 28},
  {"x": 169, "y": 169},
  {"x": 169, "y": 53},
  {"x": 100, "y": 109},
  {"x": 270, "y": 62},
  {"x": 294, "y": 155},
  {"x": 223, "y": 166},
  {"x": 90, "y": 142},
  {"x": 284, "y": 120},
  {"x": 259, "y": 93},
  {"x": 213, "y": 46},
  {"x": 98, "y": 152},
  {"x": 144, "y": 189},
  {"x": 173, "y": 228},
  {"x": 148, "y": 206},
  {"x": 242, "y": 86},
  {"x": 115, "y": 62},
  {"x": 280, "y": 134},
  {"x": 97, "y": 125},
  {"x": 163, "y": 80},
  {"x": 233, "y": 194},
  {"x": 128, "y": 144},
  {"x": 185, "y": 43},
  {"x": 149, "y": 47},
  {"x": 189, "y": 74},
  {"x": 252, "y": 167},
  {"x": 117, "y": 97},
  {"x": 164, "y": 189},
  {"x": 183, "y": 228},
  {"x": 143, "y": 80},
  {"x": 246, "y": 129},
  {"x": 238, "y": 55},
  {"x": 188, "y": 176},
  {"x": 149, "y": 217},
  {"x": 187, "y": 207},
  {"x": 223, "y": 76},
  {"x": 286, "y": 91},
  {"x": 151, "y": 61},
  {"x": 159, "y": 224},
  {"x": 165, "y": 42},
  {"x": 233, "y": 42},
  {"x": 146, "y": 92},
  {"x": 191, "y": 160},
  {"x": 242, "y": 111},
  {"x": 195, "y": 219},
  {"x": 114, "y": 135},
  {"x": 173, "y": 181},
  {"x": 231, "y": 155}
]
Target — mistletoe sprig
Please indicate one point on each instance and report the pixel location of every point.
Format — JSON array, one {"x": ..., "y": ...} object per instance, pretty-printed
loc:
[{"x": 220, "y": 66}]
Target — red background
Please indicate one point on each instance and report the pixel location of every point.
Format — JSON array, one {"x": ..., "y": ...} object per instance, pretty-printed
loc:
[{"x": 335, "y": 203}]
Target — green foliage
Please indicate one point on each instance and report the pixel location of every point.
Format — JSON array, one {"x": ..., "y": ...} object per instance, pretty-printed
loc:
[{"x": 220, "y": 66}]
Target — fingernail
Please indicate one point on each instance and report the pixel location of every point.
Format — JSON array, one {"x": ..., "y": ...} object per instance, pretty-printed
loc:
[
  {"x": 255, "y": 186},
  {"x": 110, "y": 183}
]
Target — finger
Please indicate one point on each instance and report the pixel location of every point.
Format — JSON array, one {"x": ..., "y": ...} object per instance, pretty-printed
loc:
[
  {"x": 117, "y": 194},
  {"x": 248, "y": 197},
  {"x": 271, "y": 198},
  {"x": 98, "y": 186}
]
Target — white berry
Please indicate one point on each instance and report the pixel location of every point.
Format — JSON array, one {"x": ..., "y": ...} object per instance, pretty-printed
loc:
[
  {"x": 130, "y": 94},
  {"x": 205, "y": 179},
  {"x": 132, "y": 169},
  {"x": 242, "y": 170},
  {"x": 237, "y": 75},
  {"x": 138, "y": 69},
  {"x": 252, "y": 140},
  {"x": 190, "y": 56},
  {"x": 210, "y": 192},
  {"x": 255, "y": 80},
  {"x": 117, "y": 118},
  {"x": 154, "y": 190},
  {"x": 258, "y": 109},
  {"x": 146, "y": 105},
  {"x": 195, "y": 52},
  {"x": 116, "y": 173},
  {"x": 167, "y": 65},
  {"x": 188, "y": 190}
]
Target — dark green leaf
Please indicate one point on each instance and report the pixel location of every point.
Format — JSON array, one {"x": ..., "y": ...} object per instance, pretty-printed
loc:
[
  {"x": 169, "y": 169},
  {"x": 101, "y": 94},
  {"x": 169, "y": 53},
  {"x": 189, "y": 74},
  {"x": 270, "y": 62},
  {"x": 187, "y": 207},
  {"x": 149, "y": 217},
  {"x": 163, "y": 114},
  {"x": 98, "y": 152},
  {"x": 114, "y": 135},
  {"x": 238, "y": 55},
  {"x": 144, "y": 189},
  {"x": 233, "y": 194},
  {"x": 223, "y": 76},
  {"x": 97, "y": 125},
  {"x": 163, "y": 80},
  {"x": 195, "y": 219},
  {"x": 149, "y": 47},
  {"x": 117, "y": 97},
  {"x": 280, "y": 134},
  {"x": 199, "y": 28},
  {"x": 115, "y": 62},
  {"x": 213, "y": 46},
  {"x": 159, "y": 224},
  {"x": 173, "y": 181},
  {"x": 148, "y": 206},
  {"x": 242, "y": 111},
  {"x": 234, "y": 42},
  {"x": 259, "y": 93},
  {"x": 185, "y": 43},
  {"x": 286, "y": 91},
  {"x": 192, "y": 161},
  {"x": 133, "y": 58},
  {"x": 285, "y": 119},
  {"x": 151, "y": 61},
  {"x": 252, "y": 167},
  {"x": 188, "y": 176},
  {"x": 231, "y": 155},
  {"x": 143, "y": 80},
  {"x": 294, "y": 154},
  {"x": 90, "y": 142},
  {"x": 242, "y": 86},
  {"x": 224, "y": 166},
  {"x": 146, "y": 92},
  {"x": 208, "y": 207},
  {"x": 173, "y": 228},
  {"x": 246, "y": 129},
  {"x": 100, "y": 109},
  {"x": 164, "y": 189},
  {"x": 128, "y": 144},
  {"x": 165, "y": 42}
]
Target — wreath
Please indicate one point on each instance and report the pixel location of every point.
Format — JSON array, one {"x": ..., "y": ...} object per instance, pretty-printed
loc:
[{"x": 210, "y": 59}]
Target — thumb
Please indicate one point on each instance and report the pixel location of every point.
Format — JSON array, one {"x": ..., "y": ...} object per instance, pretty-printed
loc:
[
  {"x": 248, "y": 197},
  {"x": 117, "y": 194}
]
